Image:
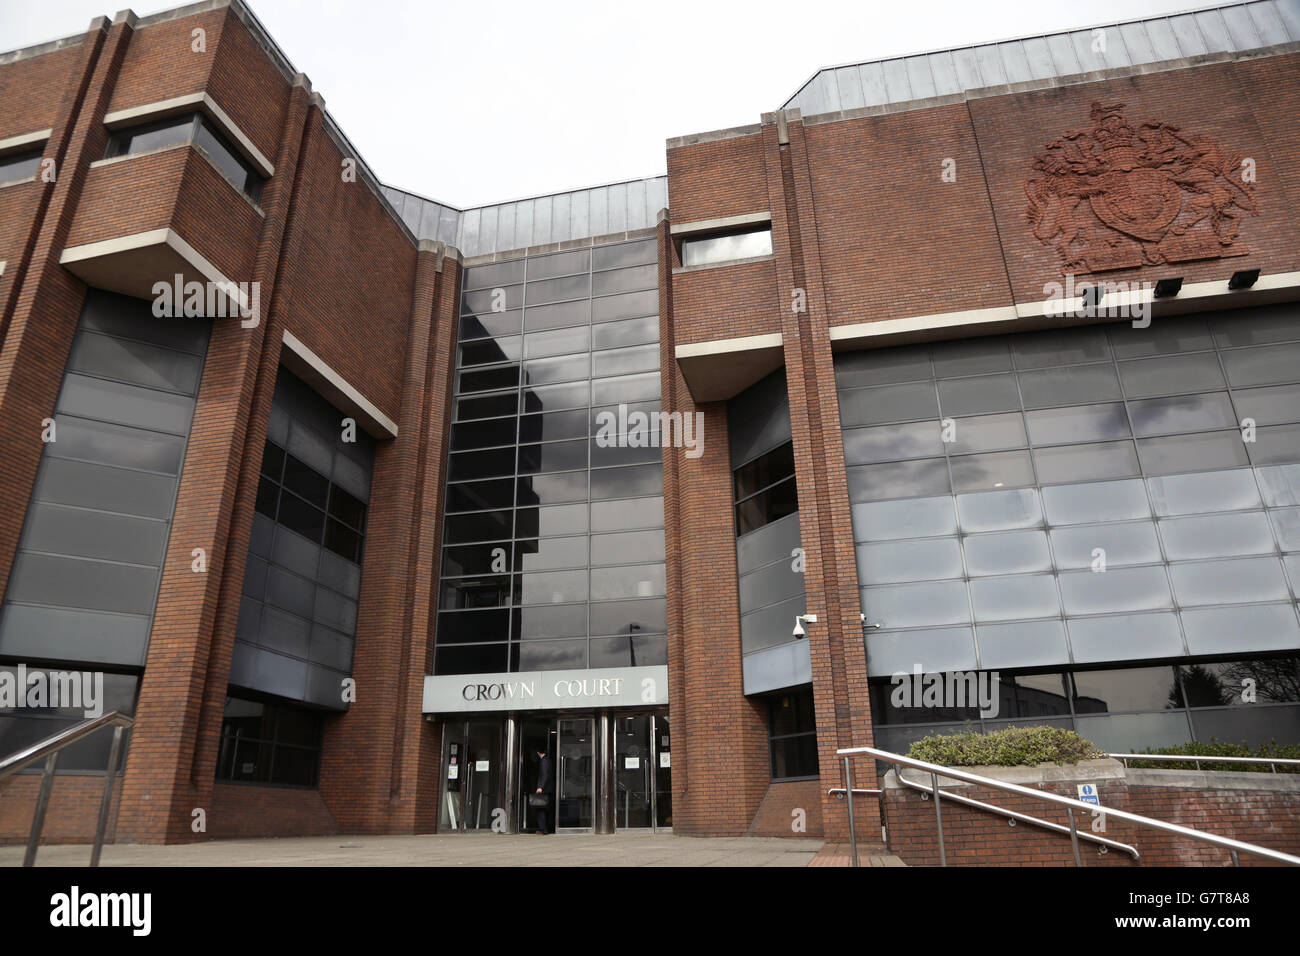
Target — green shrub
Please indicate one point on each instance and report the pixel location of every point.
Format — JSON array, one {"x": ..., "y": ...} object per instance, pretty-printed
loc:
[
  {"x": 1013, "y": 747},
  {"x": 1217, "y": 749}
]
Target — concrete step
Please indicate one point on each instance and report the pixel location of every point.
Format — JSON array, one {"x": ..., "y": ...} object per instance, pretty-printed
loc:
[{"x": 869, "y": 854}]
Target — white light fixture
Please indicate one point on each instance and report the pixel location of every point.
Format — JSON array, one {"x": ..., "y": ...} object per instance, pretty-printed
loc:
[
  {"x": 863, "y": 617},
  {"x": 800, "y": 620}
]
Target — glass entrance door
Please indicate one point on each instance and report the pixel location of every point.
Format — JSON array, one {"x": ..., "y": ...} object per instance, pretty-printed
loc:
[
  {"x": 575, "y": 798},
  {"x": 472, "y": 775},
  {"x": 663, "y": 774},
  {"x": 634, "y": 773},
  {"x": 535, "y": 735}
]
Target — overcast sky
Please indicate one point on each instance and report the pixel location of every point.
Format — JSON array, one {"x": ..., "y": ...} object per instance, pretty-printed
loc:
[{"x": 481, "y": 101}]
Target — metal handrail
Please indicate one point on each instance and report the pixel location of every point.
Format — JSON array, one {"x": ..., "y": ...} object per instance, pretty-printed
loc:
[
  {"x": 1022, "y": 817},
  {"x": 49, "y": 748},
  {"x": 1207, "y": 758},
  {"x": 1234, "y": 847}
]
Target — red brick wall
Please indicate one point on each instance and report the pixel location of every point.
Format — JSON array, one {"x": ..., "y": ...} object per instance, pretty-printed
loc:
[
  {"x": 716, "y": 179},
  {"x": 720, "y": 759},
  {"x": 726, "y": 303},
  {"x": 896, "y": 239},
  {"x": 1209, "y": 101},
  {"x": 176, "y": 188},
  {"x": 337, "y": 270},
  {"x": 70, "y": 816},
  {"x": 161, "y": 64},
  {"x": 16, "y": 204},
  {"x": 787, "y": 803},
  {"x": 242, "y": 811},
  {"x": 1269, "y": 818},
  {"x": 247, "y": 85},
  {"x": 32, "y": 90}
]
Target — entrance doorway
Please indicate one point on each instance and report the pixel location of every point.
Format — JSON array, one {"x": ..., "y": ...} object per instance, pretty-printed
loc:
[
  {"x": 472, "y": 775},
  {"x": 610, "y": 771}
]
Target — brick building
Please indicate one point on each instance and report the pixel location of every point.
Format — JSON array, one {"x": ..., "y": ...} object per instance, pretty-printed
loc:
[{"x": 392, "y": 506}]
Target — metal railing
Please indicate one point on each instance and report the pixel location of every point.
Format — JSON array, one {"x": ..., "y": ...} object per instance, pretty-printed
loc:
[
  {"x": 49, "y": 748},
  {"x": 1234, "y": 847},
  {"x": 1198, "y": 759},
  {"x": 1104, "y": 842}
]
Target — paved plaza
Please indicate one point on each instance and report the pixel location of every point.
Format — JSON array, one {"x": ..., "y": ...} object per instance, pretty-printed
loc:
[{"x": 457, "y": 850}]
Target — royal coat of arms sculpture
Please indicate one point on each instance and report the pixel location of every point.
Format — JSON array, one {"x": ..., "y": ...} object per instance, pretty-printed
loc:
[{"x": 1111, "y": 196}]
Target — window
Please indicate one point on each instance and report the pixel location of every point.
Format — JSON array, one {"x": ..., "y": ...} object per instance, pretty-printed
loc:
[
  {"x": 18, "y": 166},
  {"x": 269, "y": 743},
  {"x": 80, "y": 691},
  {"x": 792, "y": 732},
  {"x": 294, "y": 494},
  {"x": 1118, "y": 708},
  {"x": 196, "y": 130},
  {"x": 727, "y": 247},
  {"x": 765, "y": 489}
]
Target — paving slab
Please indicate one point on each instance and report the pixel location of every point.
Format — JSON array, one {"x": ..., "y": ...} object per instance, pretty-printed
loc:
[{"x": 624, "y": 849}]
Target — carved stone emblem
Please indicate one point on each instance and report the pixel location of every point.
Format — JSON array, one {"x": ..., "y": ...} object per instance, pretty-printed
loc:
[{"x": 1112, "y": 196}]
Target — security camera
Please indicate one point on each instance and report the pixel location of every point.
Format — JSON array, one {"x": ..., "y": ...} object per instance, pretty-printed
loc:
[{"x": 799, "y": 622}]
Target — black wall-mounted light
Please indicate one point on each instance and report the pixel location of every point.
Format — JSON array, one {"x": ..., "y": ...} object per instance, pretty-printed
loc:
[
  {"x": 1167, "y": 288},
  {"x": 1243, "y": 278}
]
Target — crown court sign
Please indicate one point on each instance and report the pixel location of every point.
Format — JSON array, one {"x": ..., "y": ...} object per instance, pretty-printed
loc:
[{"x": 645, "y": 686}]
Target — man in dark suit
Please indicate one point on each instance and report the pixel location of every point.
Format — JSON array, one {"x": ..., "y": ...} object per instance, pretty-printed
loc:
[{"x": 544, "y": 781}]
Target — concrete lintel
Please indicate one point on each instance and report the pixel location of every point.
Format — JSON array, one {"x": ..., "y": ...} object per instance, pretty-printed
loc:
[
  {"x": 721, "y": 223},
  {"x": 24, "y": 139},
  {"x": 311, "y": 368},
  {"x": 715, "y": 371},
  {"x": 181, "y": 104}
]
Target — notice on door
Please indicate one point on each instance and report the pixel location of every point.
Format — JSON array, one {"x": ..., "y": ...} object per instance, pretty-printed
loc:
[
  {"x": 482, "y": 766},
  {"x": 665, "y": 760},
  {"x": 631, "y": 763}
]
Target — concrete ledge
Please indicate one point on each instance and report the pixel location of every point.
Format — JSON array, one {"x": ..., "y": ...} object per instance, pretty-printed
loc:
[
  {"x": 132, "y": 264},
  {"x": 1103, "y": 768},
  {"x": 1059, "y": 313},
  {"x": 312, "y": 369},
  {"x": 717, "y": 225},
  {"x": 1215, "y": 780},
  {"x": 717, "y": 370},
  {"x": 706, "y": 266}
]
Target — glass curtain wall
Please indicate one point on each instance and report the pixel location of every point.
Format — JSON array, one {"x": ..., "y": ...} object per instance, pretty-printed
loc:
[
  {"x": 1065, "y": 500},
  {"x": 553, "y": 546}
]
